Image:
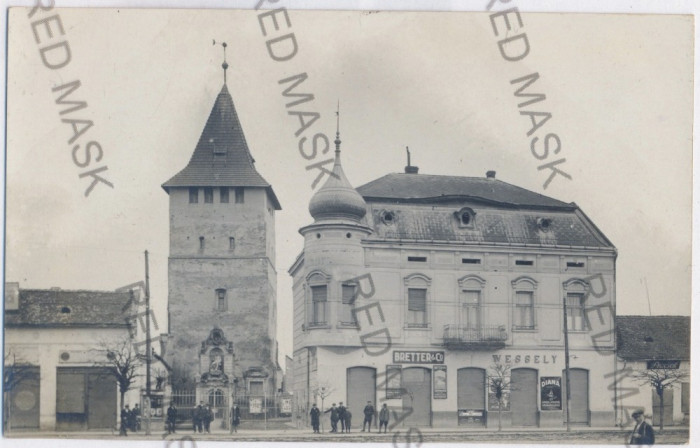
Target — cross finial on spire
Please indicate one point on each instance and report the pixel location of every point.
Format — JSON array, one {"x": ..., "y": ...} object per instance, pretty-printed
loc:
[
  {"x": 225, "y": 64},
  {"x": 337, "y": 129}
]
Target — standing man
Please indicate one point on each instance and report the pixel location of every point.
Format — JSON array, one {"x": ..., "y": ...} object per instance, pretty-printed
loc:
[
  {"x": 235, "y": 418},
  {"x": 136, "y": 412},
  {"x": 171, "y": 418},
  {"x": 334, "y": 417},
  {"x": 341, "y": 416},
  {"x": 198, "y": 417},
  {"x": 315, "y": 418},
  {"x": 369, "y": 414},
  {"x": 348, "y": 419},
  {"x": 208, "y": 418},
  {"x": 124, "y": 420},
  {"x": 383, "y": 418},
  {"x": 643, "y": 433}
]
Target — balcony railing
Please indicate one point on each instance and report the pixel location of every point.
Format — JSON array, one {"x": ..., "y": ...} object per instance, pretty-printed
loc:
[{"x": 464, "y": 337}]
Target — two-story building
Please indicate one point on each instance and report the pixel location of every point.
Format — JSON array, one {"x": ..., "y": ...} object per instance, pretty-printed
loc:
[{"x": 414, "y": 289}]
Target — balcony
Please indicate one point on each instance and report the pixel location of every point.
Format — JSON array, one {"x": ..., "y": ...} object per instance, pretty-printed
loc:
[{"x": 463, "y": 337}]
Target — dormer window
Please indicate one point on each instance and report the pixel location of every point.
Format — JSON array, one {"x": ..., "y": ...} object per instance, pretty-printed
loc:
[
  {"x": 465, "y": 218},
  {"x": 387, "y": 217},
  {"x": 544, "y": 224},
  {"x": 65, "y": 310}
]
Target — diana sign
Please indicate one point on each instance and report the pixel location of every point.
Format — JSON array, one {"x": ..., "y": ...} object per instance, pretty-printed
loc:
[
  {"x": 550, "y": 393},
  {"x": 405, "y": 357}
]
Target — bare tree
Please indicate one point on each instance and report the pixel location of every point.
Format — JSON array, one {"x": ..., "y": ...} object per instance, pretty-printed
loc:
[
  {"x": 500, "y": 386},
  {"x": 660, "y": 379},
  {"x": 122, "y": 362},
  {"x": 15, "y": 372},
  {"x": 323, "y": 390}
]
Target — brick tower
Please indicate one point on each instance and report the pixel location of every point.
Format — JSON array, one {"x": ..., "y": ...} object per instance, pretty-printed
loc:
[{"x": 221, "y": 267}]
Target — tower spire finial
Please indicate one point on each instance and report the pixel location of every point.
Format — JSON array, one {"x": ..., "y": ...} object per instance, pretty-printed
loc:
[
  {"x": 224, "y": 65},
  {"x": 337, "y": 129}
]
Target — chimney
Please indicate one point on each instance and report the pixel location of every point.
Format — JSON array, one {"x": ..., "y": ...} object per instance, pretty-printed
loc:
[
  {"x": 490, "y": 174},
  {"x": 409, "y": 169}
]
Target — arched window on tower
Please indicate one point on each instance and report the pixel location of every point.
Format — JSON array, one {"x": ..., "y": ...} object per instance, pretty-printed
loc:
[{"x": 221, "y": 302}]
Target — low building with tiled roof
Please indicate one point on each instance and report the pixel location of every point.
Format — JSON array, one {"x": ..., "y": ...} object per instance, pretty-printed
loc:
[
  {"x": 412, "y": 288},
  {"x": 660, "y": 343},
  {"x": 56, "y": 340}
]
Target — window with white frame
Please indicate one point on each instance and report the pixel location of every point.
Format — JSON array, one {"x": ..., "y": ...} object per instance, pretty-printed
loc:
[
  {"x": 319, "y": 302},
  {"x": 524, "y": 303},
  {"x": 349, "y": 292},
  {"x": 575, "y": 311},
  {"x": 417, "y": 296}
]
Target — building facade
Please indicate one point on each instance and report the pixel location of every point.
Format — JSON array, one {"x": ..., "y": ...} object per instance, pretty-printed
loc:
[
  {"x": 414, "y": 290},
  {"x": 57, "y": 342},
  {"x": 658, "y": 347},
  {"x": 221, "y": 268}
]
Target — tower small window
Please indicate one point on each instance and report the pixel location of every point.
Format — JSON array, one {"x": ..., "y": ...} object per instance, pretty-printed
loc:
[
  {"x": 387, "y": 217},
  {"x": 65, "y": 310},
  {"x": 240, "y": 195},
  {"x": 223, "y": 195},
  {"x": 231, "y": 243},
  {"x": 221, "y": 300},
  {"x": 194, "y": 195},
  {"x": 208, "y": 195},
  {"x": 524, "y": 262},
  {"x": 201, "y": 243}
]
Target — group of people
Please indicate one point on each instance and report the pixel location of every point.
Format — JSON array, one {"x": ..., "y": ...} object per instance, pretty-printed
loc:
[
  {"x": 343, "y": 415},
  {"x": 202, "y": 416},
  {"x": 130, "y": 419}
]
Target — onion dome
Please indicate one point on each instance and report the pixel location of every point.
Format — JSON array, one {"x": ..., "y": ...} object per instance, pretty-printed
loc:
[{"x": 337, "y": 199}]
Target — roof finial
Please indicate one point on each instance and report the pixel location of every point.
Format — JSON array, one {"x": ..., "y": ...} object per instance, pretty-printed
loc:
[
  {"x": 225, "y": 64},
  {"x": 410, "y": 169},
  {"x": 408, "y": 155},
  {"x": 337, "y": 129}
]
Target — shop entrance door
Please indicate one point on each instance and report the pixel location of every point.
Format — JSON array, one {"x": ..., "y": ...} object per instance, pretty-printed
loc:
[
  {"x": 471, "y": 401},
  {"x": 361, "y": 386},
  {"x": 101, "y": 401},
  {"x": 523, "y": 397},
  {"x": 23, "y": 406},
  {"x": 415, "y": 382},
  {"x": 579, "y": 396}
]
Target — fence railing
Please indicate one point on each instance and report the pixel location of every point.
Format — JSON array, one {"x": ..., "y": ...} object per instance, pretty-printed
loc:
[{"x": 473, "y": 338}]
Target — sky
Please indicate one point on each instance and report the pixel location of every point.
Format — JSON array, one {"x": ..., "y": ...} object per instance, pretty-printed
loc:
[{"x": 619, "y": 88}]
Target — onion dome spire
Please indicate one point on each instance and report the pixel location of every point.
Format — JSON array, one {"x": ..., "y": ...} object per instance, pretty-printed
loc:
[{"x": 337, "y": 199}]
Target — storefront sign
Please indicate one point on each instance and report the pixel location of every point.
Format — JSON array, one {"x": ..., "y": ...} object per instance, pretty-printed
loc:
[
  {"x": 525, "y": 359},
  {"x": 664, "y": 364},
  {"x": 405, "y": 357},
  {"x": 550, "y": 393},
  {"x": 470, "y": 413},
  {"x": 393, "y": 381},
  {"x": 439, "y": 382}
]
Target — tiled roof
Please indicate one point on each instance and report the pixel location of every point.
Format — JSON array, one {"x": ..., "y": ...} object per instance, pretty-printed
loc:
[
  {"x": 653, "y": 337},
  {"x": 421, "y": 187},
  {"x": 491, "y": 225},
  {"x": 221, "y": 157},
  {"x": 59, "y": 308}
]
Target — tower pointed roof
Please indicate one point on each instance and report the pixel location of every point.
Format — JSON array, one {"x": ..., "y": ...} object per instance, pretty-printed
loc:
[{"x": 221, "y": 157}]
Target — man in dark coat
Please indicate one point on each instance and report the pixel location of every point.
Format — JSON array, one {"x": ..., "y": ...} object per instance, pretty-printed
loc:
[
  {"x": 643, "y": 433},
  {"x": 383, "y": 418},
  {"x": 369, "y": 414},
  {"x": 136, "y": 418},
  {"x": 341, "y": 416},
  {"x": 334, "y": 417},
  {"x": 207, "y": 418},
  {"x": 124, "y": 420},
  {"x": 171, "y": 418},
  {"x": 348, "y": 420},
  {"x": 235, "y": 418},
  {"x": 315, "y": 418},
  {"x": 198, "y": 417}
]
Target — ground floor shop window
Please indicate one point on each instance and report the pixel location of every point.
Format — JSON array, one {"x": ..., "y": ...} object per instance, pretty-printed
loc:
[{"x": 86, "y": 398}]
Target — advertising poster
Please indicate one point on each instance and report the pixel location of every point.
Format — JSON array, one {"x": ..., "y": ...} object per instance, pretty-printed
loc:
[
  {"x": 550, "y": 393},
  {"x": 439, "y": 382}
]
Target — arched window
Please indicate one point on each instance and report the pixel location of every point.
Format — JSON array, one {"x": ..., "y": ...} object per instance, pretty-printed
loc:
[
  {"x": 221, "y": 301},
  {"x": 524, "y": 303},
  {"x": 576, "y": 291},
  {"x": 417, "y": 296},
  {"x": 216, "y": 398},
  {"x": 317, "y": 289}
]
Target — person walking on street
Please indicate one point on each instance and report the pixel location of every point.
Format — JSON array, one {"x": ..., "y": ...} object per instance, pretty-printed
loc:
[
  {"x": 315, "y": 414},
  {"x": 383, "y": 418},
  {"x": 341, "y": 416},
  {"x": 235, "y": 418},
  {"x": 369, "y": 414},
  {"x": 136, "y": 413},
  {"x": 124, "y": 420},
  {"x": 348, "y": 420},
  {"x": 334, "y": 417},
  {"x": 171, "y": 418},
  {"x": 643, "y": 433}
]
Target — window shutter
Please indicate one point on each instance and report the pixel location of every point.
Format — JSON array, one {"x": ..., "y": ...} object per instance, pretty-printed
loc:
[{"x": 416, "y": 299}]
